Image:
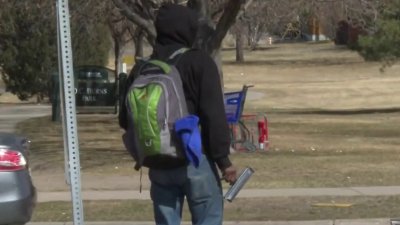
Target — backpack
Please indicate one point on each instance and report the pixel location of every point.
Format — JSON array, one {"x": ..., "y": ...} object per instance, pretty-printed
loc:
[{"x": 154, "y": 101}]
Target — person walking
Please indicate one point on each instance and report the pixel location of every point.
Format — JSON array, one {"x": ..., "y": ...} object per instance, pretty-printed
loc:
[{"x": 176, "y": 27}]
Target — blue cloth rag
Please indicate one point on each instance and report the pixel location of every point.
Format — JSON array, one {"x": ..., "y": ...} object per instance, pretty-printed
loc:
[{"x": 188, "y": 130}]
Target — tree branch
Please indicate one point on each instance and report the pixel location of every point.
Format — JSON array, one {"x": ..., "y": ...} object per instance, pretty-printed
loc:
[
  {"x": 231, "y": 10},
  {"x": 201, "y": 6},
  {"x": 146, "y": 24},
  {"x": 248, "y": 3}
]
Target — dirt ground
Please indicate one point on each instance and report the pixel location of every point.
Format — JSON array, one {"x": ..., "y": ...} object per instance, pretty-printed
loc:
[{"x": 305, "y": 77}]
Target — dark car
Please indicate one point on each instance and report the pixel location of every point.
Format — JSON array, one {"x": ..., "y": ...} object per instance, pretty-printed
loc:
[{"x": 17, "y": 193}]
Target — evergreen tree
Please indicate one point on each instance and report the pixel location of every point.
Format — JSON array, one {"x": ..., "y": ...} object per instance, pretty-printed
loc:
[
  {"x": 28, "y": 46},
  {"x": 28, "y": 43},
  {"x": 383, "y": 45},
  {"x": 91, "y": 37}
]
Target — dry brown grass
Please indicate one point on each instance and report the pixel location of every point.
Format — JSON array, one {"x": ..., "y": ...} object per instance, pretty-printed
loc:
[
  {"x": 313, "y": 76},
  {"x": 307, "y": 150},
  {"x": 334, "y": 121}
]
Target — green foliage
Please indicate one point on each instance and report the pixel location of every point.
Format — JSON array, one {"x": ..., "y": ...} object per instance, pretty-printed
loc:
[
  {"x": 91, "y": 37},
  {"x": 28, "y": 46},
  {"x": 28, "y": 43},
  {"x": 91, "y": 46},
  {"x": 384, "y": 44}
]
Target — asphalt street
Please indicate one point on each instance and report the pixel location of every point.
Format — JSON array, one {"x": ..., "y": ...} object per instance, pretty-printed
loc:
[{"x": 11, "y": 114}]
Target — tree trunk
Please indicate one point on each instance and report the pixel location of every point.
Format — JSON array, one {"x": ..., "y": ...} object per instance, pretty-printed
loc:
[
  {"x": 249, "y": 35},
  {"x": 239, "y": 46},
  {"x": 39, "y": 98},
  {"x": 139, "y": 45},
  {"x": 117, "y": 49}
]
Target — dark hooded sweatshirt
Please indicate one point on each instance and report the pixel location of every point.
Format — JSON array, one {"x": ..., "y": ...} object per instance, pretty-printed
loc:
[{"x": 176, "y": 28}]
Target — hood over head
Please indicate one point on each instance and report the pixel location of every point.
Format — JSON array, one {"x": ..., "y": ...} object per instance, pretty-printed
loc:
[{"x": 176, "y": 25}]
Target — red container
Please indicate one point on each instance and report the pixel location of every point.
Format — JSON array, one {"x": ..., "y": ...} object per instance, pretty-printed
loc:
[{"x": 263, "y": 134}]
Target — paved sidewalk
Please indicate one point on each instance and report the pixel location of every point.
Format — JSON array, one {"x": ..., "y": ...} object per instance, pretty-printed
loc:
[
  {"x": 245, "y": 193},
  {"x": 314, "y": 222}
]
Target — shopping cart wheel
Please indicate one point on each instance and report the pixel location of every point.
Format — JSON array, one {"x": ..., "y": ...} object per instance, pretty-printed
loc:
[{"x": 250, "y": 147}]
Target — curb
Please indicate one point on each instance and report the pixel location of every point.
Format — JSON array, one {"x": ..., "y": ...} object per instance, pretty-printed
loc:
[
  {"x": 245, "y": 193},
  {"x": 376, "y": 221}
]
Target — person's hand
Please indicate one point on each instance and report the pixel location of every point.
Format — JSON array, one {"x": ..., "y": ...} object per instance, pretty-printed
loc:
[{"x": 229, "y": 175}]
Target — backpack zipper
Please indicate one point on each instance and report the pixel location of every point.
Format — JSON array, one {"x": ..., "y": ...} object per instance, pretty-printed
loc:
[
  {"x": 166, "y": 102},
  {"x": 176, "y": 93},
  {"x": 148, "y": 121}
]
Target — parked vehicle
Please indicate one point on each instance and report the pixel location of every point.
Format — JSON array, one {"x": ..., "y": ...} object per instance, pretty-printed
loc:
[{"x": 17, "y": 193}]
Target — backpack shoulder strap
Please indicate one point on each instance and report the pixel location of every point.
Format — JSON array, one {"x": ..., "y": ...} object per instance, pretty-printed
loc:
[
  {"x": 160, "y": 64},
  {"x": 154, "y": 64},
  {"x": 174, "y": 58}
]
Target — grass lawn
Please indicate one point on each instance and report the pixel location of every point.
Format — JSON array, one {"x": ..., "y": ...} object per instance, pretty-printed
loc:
[
  {"x": 334, "y": 121},
  {"x": 306, "y": 150}
]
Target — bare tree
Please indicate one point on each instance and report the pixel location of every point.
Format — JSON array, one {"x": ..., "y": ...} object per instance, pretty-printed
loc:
[
  {"x": 315, "y": 16},
  {"x": 269, "y": 17},
  {"x": 120, "y": 32},
  {"x": 141, "y": 13},
  {"x": 360, "y": 13},
  {"x": 239, "y": 31},
  {"x": 214, "y": 23},
  {"x": 255, "y": 20}
]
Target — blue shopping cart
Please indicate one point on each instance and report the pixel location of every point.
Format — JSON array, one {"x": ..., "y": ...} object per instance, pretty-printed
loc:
[{"x": 234, "y": 105}]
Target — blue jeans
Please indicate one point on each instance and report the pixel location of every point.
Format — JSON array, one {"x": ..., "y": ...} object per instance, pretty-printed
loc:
[{"x": 200, "y": 186}]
